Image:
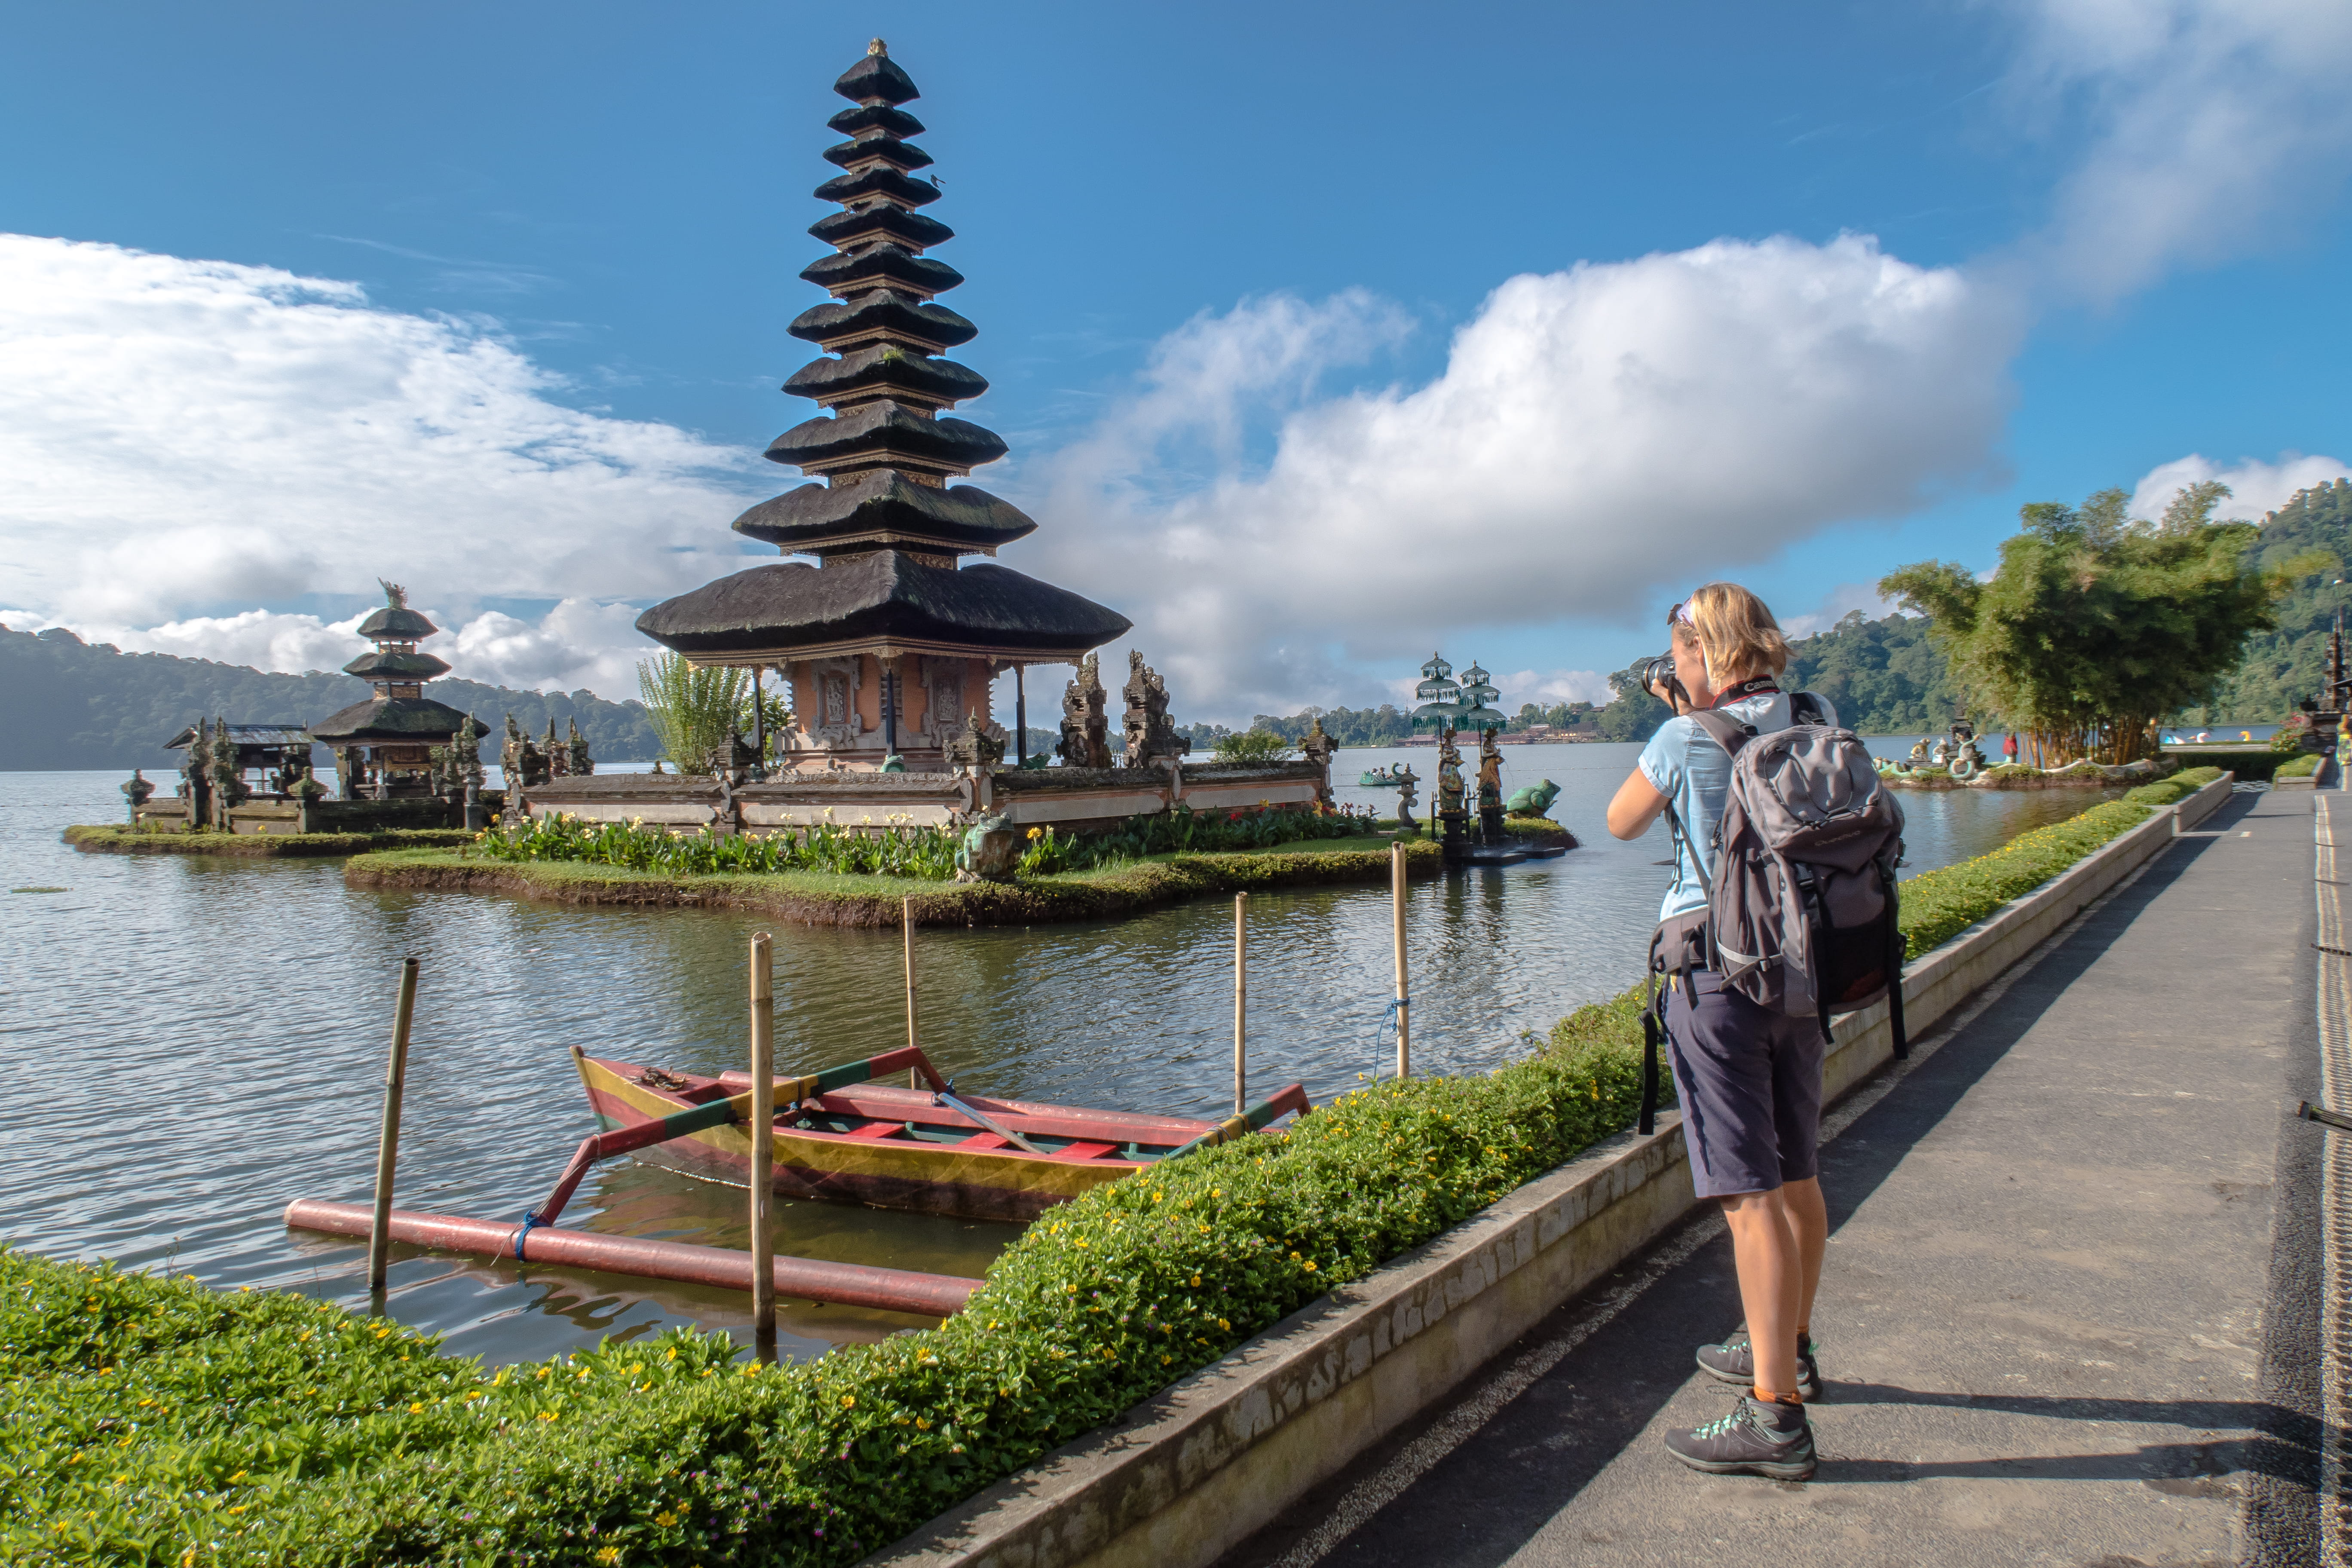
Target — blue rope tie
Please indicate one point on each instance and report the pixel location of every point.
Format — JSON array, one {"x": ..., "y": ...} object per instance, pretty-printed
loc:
[
  {"x": 1381, "y": 1030},
  {"x": 530, "y": 1221}
]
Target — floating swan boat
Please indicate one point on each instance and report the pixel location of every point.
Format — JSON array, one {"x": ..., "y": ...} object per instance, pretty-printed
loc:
[{"x": 1379, "y": 778}]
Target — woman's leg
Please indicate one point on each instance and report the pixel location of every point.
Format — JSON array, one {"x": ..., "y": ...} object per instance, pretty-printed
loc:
[
  {"x": 1808, "y": 1218},
  {"x": 1765, "y": 1247}
]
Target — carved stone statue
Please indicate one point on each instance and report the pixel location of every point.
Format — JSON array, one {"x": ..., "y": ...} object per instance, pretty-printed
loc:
[
  {"x": 559, "y": 761},
  {"x": 1534, "y": 801},
  {"x": 973, "y": 746},
  {"x": 467, "y": 747},
  {"x": 1490, "y": 770},
  {"x": 524, "y": 763},
  {"x": 576, "y": 753},
  {"x": 1085, "y": 728},
  {"x": 1408, "y": 790},
  {"x": 1150, "y": 733},
  {"x": 228, "y": 780},
  {"x": 196, "y": 777},
  {"x": 136, "y": 789},
  {"x": 1449, "y": 775},
  {"x": 1316, "y": 748}
]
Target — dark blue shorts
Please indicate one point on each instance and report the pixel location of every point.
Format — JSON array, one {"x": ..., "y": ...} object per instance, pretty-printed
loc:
[{"x": 1749, "y": 1080}]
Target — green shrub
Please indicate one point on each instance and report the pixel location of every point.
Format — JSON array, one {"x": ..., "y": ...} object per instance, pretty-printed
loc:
[
  {"x": 1254, "y": 746},
  {"x": 898, "y": 848},
  {"x": 2179, "y": 787},
  {"x": 152, "y": 1421},
  {"x": 2300, "y": 767}
]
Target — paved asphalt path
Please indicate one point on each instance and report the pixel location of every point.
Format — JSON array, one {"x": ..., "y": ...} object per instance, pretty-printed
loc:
[{"x": 2056, "y": 1328}]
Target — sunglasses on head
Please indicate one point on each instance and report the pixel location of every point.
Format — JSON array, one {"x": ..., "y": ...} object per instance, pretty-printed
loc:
[{"x": 1680, "y": 616}]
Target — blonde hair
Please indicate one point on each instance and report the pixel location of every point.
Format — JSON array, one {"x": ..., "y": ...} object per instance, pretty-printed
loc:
[{"x": 1736, "y": 632}]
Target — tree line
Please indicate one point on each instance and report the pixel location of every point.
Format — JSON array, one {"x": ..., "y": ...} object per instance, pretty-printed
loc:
[{"x": 66, "y": 703}]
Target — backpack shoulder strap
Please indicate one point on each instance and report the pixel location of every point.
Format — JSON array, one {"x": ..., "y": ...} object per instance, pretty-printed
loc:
[
  {"x": 1804, "y": 708},
  {"x": 1721, "y": 727}
]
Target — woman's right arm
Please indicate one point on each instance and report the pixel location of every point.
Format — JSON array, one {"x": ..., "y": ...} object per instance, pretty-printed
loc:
[{"x": 1637, "y": 805}]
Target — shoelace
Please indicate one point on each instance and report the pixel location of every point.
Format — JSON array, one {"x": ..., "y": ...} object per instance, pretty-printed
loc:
[{"x": 1724, "y": 1427}]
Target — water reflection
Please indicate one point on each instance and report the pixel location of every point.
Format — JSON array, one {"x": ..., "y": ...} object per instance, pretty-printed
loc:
[{"x": 191, "y": 1041}]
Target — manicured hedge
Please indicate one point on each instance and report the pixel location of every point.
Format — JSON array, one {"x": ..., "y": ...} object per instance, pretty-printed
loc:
[
  {"x": 150, "y": 1420},
  {"x": 2300, "y": 767}
]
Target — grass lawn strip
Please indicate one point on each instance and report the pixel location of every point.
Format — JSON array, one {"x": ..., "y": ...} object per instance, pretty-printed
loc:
[
  {"x": 101, "y": 839},
  {"x": 818, "y": 898},
  {"x": 152, "y": 1420}
]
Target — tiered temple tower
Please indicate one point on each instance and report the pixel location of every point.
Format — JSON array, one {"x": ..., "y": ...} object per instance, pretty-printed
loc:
[
  {"x": 887, "y": 642},
  {"x": 383, "y": 745}
]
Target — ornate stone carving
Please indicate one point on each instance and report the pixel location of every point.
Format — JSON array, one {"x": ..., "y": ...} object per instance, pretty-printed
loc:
[
  {"x": 467, "y": 745},
  {"x": 559, "y": 761},
  {"x": 943, "y": 699},
  {"x": 1449, "y": 776},
  {"x": 576, "y": 753},
  {"x": 1086, "y": 727},
  {"x": 1407, "y": 788},
  {"x": 136, "y": 789},
  {"x": 524, "y": 763},
  {"x": 228, "y": 780},
  {"x": 1150, "y": 733},
  {"x": 833, "y": 722},
  {"x": 973, "y": 746},
  {"x": 196, "y": 777}
]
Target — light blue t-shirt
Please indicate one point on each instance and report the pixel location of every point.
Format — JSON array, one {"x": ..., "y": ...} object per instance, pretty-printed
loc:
[{"x": 1684, "y": 764}]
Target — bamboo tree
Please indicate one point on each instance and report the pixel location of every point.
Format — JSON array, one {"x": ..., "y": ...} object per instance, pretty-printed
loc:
[
  {"x": 693, "y": 712},
  {"x": 2096, "y": 627}
]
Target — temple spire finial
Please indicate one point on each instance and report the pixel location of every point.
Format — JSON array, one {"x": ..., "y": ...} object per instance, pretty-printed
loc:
[
  {"x": 395, "y": 596},
  {"x": 878, "y": 48}
]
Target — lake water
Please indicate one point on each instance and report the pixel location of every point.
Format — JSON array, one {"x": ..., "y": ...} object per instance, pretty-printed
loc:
[{"x": 190, "y": 1042}]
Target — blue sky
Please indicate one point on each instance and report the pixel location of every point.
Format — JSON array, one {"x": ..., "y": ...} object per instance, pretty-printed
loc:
[{"x": 1219, "y": 256}]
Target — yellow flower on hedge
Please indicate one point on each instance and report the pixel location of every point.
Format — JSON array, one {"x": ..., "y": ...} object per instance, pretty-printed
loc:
[
  {"x": 416, "y": 1410},
  {"x": 547, "y": 1416},
  {"x": 664, "y": 1519},
  {"x": 1036, "y": 832},
  {"x": 609, "y": 1554},
  {"x": 849, "y": 1402}
]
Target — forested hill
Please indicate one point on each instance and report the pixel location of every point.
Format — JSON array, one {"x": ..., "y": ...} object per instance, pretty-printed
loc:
[
  {"x": 65, "y": 704},
  {"x": 2282, "y": 667}
]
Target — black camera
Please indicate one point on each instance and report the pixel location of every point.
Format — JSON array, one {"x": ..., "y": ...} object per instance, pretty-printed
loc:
[{"x": 1653, "y": 673}]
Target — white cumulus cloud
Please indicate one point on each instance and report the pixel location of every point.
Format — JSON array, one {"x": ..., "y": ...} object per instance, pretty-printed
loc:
[
  {"x": 1594, "y": 431},
  {"x": 2207, "y": 122},
  {"x": 179, "y": 437},
  {"x": 2256, "y": 488}
]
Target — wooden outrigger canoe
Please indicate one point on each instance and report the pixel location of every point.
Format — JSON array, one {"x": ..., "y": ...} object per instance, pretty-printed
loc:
[{"x": 841, "y": 1135}]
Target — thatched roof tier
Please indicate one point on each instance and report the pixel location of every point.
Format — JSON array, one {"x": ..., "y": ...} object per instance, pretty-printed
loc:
[
  {"x": 874, "y": 117},
  {"x": 402, "y": 667},
  {"x": 886, "y": 369},
  {"x": 876, "y": 80},
  {"x": 886, "y": 148},
  {"x": 880, "y": 265},
  {"x": 391, "y": 719},
  {"x": 885, "y": 603},
  {"x": 397, "y": 622},
  {"x": 882, "y": 316},
  {"x": 862, "y": 226},
  {"x": 883, "y": 435},
  {"x": 862, "y": 510}
]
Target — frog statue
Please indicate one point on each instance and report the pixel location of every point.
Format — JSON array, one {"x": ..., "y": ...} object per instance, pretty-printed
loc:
[
  {"x": 990, "y": 850},
  {"x": 1534, "y": 801}
]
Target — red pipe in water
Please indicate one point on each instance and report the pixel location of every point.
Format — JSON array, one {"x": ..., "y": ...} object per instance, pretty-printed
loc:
[{"x": 811, "y": 1279}]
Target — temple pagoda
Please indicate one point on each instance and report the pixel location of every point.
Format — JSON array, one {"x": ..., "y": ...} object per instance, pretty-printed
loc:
[
  {"x": 887, "y": 642},
  {"x": 384, "y": 746}
]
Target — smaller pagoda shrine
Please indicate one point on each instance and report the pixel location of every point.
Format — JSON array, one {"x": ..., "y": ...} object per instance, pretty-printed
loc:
[{"x": 385, "y": 746}]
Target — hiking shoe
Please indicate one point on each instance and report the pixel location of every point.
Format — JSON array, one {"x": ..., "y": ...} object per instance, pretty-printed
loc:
[
  {"x": 1773, "y": 1440},
  {"x": 1734, "y": 1361}
]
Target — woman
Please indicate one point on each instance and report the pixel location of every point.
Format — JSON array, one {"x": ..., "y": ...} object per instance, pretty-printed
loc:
[{"x": 1748, "y": 1078}]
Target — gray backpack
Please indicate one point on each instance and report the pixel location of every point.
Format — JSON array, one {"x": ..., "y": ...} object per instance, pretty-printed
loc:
[{"x": 1801, "y": 911}]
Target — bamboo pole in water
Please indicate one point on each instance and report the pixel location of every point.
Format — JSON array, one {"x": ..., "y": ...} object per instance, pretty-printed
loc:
[
  {"x": 387, "y": 1148},
  {"x": 1404, "y": 997},
  {"x": 1241, "y": 1002},
  {"x": 907, "y": 925},
  {"x": 764, "y": 1146}
]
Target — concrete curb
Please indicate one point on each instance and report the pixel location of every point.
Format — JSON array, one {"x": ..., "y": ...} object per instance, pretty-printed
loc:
[{"x": 1160, "y": 1487}]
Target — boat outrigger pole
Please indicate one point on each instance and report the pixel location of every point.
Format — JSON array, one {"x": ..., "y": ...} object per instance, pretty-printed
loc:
[
  {"x": 1247, "y": 1121},
  {"x": 789, "y": 1093}
]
